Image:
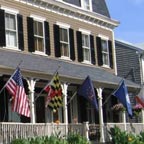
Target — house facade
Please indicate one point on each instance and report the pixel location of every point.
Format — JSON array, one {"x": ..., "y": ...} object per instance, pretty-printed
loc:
[
  {"x": 129, "y": 59},
  {"x": 73, "y": 37}
]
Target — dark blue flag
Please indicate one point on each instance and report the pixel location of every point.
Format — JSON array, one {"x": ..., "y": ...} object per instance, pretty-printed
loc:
[
  {"x": 87, "y": 91},
  {"x": 122, "y": 94}
]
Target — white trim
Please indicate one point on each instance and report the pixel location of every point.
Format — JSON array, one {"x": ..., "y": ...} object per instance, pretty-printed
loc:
[
  {"x": 39, "y": 53},
  {"x": 84, "y": 31},
  {"x": 10, "y": 10},
  {"x": 36, "y": 17},
  {"x": 63, "y": 25},
  {"x": 103, "y": 37}
]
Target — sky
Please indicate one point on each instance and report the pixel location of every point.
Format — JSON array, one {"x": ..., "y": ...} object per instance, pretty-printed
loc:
[{"x": 130, "y": 14}]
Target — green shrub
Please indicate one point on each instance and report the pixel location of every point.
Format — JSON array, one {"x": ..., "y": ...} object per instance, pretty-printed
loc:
[
  {"x": 122, "y": 137},
  {"x": 53, "y": 139}
]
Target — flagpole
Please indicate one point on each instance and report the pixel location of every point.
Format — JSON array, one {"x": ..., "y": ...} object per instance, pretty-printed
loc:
[
  {"x": 72, "y": 97},
  {"x": 110, "y": 95},
  {"x": 46, "y": 84},
  {"x": 10, "y": 77}
]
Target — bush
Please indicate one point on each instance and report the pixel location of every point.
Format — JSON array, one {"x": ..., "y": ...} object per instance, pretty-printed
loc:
[
  {"x": 53, "y": 139},
  {"x": 122, "y": 137}
]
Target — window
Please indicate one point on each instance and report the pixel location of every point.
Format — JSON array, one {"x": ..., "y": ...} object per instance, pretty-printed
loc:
[
  {"x": 86, "y": 4},
  {"x": 38, "y": 36},
  {"x": 86, "y": 47},
  {"x": 64, "y": 42},
  {"x": 11, "y": 29},
  {"x": 105, "y": 52}
]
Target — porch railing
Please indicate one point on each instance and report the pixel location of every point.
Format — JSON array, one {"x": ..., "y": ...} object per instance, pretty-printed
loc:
[{"x": 10, "y": 131}]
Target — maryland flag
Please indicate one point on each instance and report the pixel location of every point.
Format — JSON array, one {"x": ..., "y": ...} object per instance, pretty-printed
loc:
[{"x": 54, "y": 90}]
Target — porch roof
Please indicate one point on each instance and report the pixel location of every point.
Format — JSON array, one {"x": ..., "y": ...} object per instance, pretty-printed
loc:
[{"x": 43, "y": 67}]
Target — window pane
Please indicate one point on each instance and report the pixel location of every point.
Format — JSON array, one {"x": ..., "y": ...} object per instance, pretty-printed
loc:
[
  {"x": 40, "y": 29},
  {"x": 64, "y": 35},
  {"x": 11, "y": 31},
  {"x": 105, "y": 52},
  {"x": 35, "y": 28},
  {"x": 105, "y": 59},
  {"x": 104, "y": 46},
  {"x": 64, "y": 42},
  {"x": 87, "y": 54},
  {"x": 39, "y": 44},
  {"x": 12, "y": 22},
  {"x": 11, "y": 39},
  {"x": 39, "y": 37},
  {"x": 87, "y": 4},
  {"x": 86, "y": 46},
  {"x": 64, "y": 50}
]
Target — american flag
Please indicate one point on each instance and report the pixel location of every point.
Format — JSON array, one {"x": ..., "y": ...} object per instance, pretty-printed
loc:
[{"x": 16, "y": 89}]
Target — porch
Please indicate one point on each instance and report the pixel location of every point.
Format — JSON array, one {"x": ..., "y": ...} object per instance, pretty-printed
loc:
[{"x": 10, "y": 131}]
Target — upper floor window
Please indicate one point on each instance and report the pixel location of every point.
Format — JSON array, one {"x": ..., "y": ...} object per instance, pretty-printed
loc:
[
  {"x": 105, "y": 52},
  {"x": 86, "y": 47},
  {"x": 38, "y": 36},
  {"x": 86, "y": 4},
  {"x": 11, "y": 30},
  {"x": 64, "y": 42},
  {"x": 11, "y": 33}
]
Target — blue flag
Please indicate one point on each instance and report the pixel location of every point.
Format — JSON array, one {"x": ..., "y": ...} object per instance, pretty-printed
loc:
[
  {"x": 122, "y": 94},
  {"x": 87, "y": 91}
]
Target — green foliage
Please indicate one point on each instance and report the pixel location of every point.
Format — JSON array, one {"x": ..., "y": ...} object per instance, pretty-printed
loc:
[
  {"x": 53, "y": 139},
  {"x": 76, "y": 139},
  {"x": 122, "y": 137}
]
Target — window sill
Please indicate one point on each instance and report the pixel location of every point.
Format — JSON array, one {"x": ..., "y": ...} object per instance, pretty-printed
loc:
[
  {"x": 87, "y": 62},
  {"x": 39, "y": 53},
  {"x": 12, "y": 48},
  {"x": 106, "y": 66},
  {"x": 65, "y": 58}
]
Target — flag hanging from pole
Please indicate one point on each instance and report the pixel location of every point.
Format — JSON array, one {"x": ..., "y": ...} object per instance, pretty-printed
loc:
[
  {"x": 87, "y": 91},
  {"x": 140, "y": 97},
  {"x": 122, "y": 95},
  {"x": 54, "y": 98},
  {"x": 16, "y": 88}
]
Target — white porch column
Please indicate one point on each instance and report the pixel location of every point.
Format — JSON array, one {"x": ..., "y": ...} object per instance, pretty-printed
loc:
[
  {"x": 142, "y": 113},
  {"x": 31, "y": 84},
  {"x": 124, "y": 119},
  {"x": 102, "y": 138},
  {"x": 64, "y": 90}
]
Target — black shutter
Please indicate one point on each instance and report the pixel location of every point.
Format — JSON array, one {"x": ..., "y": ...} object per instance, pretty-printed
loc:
[
  {"x": 57, "y": 41},
  {"x": 99, "y": 51},
  {"x": 93, "y": 61},
  {"x": 47, "y": 38},
  {"x": 79, "y": 46},
  {"x": 72, "y": 48},
  {"x": 30, "y": 30},
  {"x": 110, "y": 53},
  {"x": 2, "y": 28},
  {"x": 20, "y": 32}
]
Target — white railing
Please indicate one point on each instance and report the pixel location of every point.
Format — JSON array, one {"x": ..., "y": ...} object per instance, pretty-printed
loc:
[{"x": 10, "y": 131}]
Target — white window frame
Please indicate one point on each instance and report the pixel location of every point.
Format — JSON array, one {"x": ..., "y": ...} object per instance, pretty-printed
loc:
[
  {"x": 66, "y": 27},
  {"x": 105, "y": 38},
  {"x": 83, "y": 5},
  {"x": 86, "y": 32},
  {"x": 13, "y": 12},
  {"x": 40, "y": 19}
]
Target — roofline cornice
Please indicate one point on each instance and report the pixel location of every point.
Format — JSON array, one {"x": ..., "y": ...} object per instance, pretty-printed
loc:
[{"x": 73, "y": 11}]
